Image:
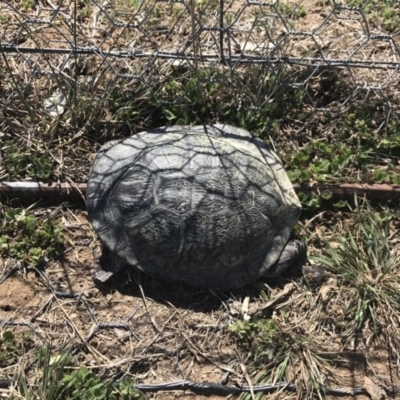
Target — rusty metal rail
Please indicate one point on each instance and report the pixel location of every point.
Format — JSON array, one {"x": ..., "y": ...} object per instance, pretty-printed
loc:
[{"x": 36, "y": 190}]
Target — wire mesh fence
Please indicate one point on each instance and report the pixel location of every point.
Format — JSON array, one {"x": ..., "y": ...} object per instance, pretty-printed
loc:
[{"x": 330, "y": 52}]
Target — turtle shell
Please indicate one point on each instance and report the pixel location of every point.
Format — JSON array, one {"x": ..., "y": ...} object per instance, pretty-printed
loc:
[{"x": 210, "y": 206}]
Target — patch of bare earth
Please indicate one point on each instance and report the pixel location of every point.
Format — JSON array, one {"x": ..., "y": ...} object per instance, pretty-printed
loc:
[{"x": 161, "y": 332}]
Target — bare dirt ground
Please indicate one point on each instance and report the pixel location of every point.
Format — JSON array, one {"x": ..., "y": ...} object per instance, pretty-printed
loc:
[{"x": 161, "y": 332}]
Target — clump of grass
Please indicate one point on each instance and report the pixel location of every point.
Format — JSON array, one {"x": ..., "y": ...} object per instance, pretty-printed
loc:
[
  {"x": 320, "y": 161},
  {"x": 12, "y": 347},
  {"x": 3, "y": 18},
  {"x": 282, "y": 354},
  {"x": 28, "y": 238},
  {"x": 352, "y": 154},
  {"x": 28, "y": 4},
  {"x": 367, "y": 265},
  {"x": 208, "y": 95},
  {"x": 378, "y": 13},
  {"x": 294, "y": 12},
  {"x": 86, "y": 385},
  {"x": 19, "y": 164},
  {"x": 85, "y": 10},
  {"x": 55, "y": 379}
]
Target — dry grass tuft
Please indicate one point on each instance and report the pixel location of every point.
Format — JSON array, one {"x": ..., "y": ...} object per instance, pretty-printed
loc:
[{"x": 364, "y": 257}]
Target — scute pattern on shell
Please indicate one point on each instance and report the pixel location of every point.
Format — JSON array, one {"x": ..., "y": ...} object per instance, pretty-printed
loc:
[{"x": 207, "y": 205}]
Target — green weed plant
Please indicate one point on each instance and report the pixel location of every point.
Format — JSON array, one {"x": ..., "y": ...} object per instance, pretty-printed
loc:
[
  {"x": 366, "y": 263},
  {"x": 30, "y": 239}
]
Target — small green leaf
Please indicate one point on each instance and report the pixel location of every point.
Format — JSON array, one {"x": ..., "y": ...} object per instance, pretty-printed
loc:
[
  {"x": 326, "y": 195},
  {"x": 381, "y": 176},
  {"x": 169, "y": 115},
  {"x": 395, "y": 178},
  {"x": 340, "y": 204},
  {"x": 8, "y": 336},
  {"x": 322, "y": 165},
  {"x": 304, "y": 175}
]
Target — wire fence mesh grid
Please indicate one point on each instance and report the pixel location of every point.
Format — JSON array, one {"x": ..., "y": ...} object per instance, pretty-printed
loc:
[
  {"x": 351, "y": 49},
  {"x": 114, "y": 57}
]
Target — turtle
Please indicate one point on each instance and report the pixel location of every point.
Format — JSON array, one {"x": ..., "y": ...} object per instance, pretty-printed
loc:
[{"x": 208, "y": 205}]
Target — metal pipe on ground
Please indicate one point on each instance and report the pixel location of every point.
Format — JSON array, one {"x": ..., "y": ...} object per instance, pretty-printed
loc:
[{"x": 37, "y": 190}]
